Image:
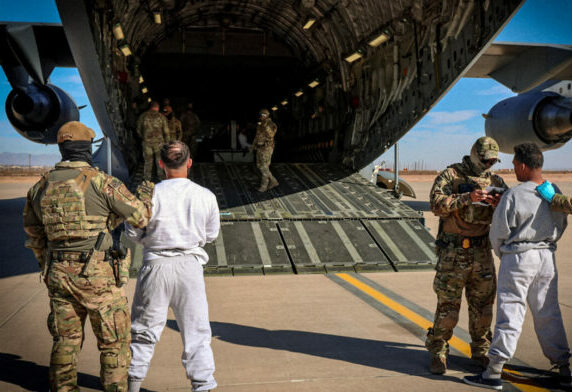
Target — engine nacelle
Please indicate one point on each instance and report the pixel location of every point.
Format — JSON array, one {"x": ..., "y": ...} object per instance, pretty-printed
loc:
[
  {"x": 38, "y": 111},
  {"x": 544, "y": 118}
]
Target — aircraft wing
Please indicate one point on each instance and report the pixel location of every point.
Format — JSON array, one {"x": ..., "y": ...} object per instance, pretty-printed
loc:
[
  {"x": 41, "y": 46},
  {"x": 522, "y": 67}
]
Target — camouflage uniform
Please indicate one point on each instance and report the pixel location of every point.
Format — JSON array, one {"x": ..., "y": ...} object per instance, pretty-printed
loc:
[
  {"x": 153, "y": 129},
  {"x": 561, "y": 203},
  {"x": 175, "y": 129},
  {"x": 264, "y": 145},
  {"x": 190, "y": 126},
  {"x": 465, "y": 257},
  {"x": 64, "y": 213}
]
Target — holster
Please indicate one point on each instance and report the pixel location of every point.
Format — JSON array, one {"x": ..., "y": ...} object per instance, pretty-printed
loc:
[{"x": 121, "y": 269}]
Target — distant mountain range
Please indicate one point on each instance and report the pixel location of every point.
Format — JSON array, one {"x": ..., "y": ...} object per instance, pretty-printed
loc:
[{"x": 23, "y": 159}]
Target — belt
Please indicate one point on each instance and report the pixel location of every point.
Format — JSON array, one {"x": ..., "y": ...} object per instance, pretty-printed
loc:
[
  {"x": 447, "y": 240},
  {"x": 80, "y": 257}
]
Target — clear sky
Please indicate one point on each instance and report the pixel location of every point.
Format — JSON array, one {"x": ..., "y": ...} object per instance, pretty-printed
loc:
[{"x": 442, "y": 137}]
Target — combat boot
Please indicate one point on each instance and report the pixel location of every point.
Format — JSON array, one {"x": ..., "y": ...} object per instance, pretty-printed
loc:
[
  {"x": 263, "y": 184},
  {"x": 564, "y": 376},
  {"x": 438, "y": 364},
  {"x": 481, "y": 360},
  {"x": 273, "y": 183}
]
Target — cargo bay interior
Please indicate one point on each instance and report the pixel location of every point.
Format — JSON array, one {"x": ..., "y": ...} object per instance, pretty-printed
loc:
[{"x": 347, "y": 79}]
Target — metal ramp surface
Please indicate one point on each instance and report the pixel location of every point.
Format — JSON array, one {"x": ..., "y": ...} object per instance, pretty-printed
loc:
[{"x": 321, "y": 218}]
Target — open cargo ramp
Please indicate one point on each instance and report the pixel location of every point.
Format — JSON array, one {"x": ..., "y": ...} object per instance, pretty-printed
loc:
[{"x": 322, "y": 218}]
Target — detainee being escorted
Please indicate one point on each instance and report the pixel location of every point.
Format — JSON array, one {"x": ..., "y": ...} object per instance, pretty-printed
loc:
[
  {"x": 68, "y": 217},
  {"x": 523, "y": 234},
  {"x": 185, "y": 217},
  {"x": 460, "y": 198}
]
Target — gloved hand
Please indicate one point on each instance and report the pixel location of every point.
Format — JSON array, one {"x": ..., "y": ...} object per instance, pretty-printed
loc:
[{"x": 546, "y": 191}]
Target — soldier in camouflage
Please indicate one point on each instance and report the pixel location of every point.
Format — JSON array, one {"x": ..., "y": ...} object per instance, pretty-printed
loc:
[
  {"x": 175, "y": 127},
  {"x": 465, "y": 208},
  {"x": 190, "y": 123},
  {"x": 67, "y": 218},
  {"x": 558, "y": 202},
  {"x": 153, "y": 129},
  {"x": 264, "y": 145}
]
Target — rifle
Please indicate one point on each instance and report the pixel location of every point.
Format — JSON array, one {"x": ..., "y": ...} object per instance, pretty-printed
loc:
[{"x": 97, "y": 245}]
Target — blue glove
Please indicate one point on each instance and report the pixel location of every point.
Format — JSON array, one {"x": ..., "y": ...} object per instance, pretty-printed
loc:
[{"x": 546, "y": 191}]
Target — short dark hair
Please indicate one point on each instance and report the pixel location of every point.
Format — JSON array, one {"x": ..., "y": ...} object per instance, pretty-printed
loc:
[
  {"x": 529, "y": 154},
  {"x": 175, "y": 154}
]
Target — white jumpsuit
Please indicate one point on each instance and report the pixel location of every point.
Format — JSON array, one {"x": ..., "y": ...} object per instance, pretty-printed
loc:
[{"x": 185, "y": 217}]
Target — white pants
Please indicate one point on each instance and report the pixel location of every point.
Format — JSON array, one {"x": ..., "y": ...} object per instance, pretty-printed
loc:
[
  {"x": 531, "y": 277},
  {"x": 175, "y": 282}
]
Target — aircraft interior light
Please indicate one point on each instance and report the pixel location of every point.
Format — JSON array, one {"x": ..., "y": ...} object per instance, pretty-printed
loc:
[
  {"x": 118, "y": 32},
  {"x": 274, "y": 108},
  {"x": 125, "y": 50},
  {"x": 144, "y": 90},
  {"x": 309, "y": 23},
  {"x": 157, "y": 17},
  {"x": 149, "y": 99},
  {"x": 383, "y": 37},
  {"x": 353, "y": 57},
  {"x": 298, "y": 93},
  {"x": 141, "y": 80},
  {"x": 284, "y": 103},
  {"x": 313, "y": 83}
]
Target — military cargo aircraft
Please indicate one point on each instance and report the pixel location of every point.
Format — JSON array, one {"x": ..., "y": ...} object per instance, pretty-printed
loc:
[{"x": 345, "y": 81}]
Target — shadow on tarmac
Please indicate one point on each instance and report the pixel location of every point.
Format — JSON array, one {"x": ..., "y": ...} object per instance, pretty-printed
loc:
[
  {"x": 16, "y": 259},
  {"x": 534, "y": 377},
  {"x": 33, "y": 377},
  {"x": 399, "y": 357}
]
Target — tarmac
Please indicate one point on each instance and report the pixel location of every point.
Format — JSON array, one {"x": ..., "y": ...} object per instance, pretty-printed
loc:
[{"x": 322, "y": 332}]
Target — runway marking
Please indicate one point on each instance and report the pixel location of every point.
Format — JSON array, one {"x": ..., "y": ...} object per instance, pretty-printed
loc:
[{"x": 455, "y": 342}]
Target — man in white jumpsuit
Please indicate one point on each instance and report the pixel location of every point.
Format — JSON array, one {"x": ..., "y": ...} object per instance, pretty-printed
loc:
[
  {"x": 185, "y": 217},
  {"x": 523, "y": 234}
]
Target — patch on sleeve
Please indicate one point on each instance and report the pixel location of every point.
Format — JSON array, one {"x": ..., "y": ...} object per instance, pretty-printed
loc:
[{"x": 115, "y": 187}]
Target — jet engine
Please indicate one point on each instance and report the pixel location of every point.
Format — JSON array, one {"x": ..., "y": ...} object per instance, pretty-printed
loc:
[
  {"x": 38, "y": 111},
  {"x": 544, "y": 118}
]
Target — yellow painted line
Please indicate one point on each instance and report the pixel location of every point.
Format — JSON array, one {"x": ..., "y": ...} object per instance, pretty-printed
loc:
[
  {"x": 458, "y": 344},
  {"x": 523, "y": 387}
]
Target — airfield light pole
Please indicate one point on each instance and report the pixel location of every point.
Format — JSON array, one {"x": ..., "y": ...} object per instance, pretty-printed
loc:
[{"x": 396, "y": 167}]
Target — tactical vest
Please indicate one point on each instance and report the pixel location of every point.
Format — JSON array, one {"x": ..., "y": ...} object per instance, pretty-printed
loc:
[
  {"x": 63, "y": 209},
  {"x": 473, "y": 213},
  {"x": 265, "y": 134}
]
